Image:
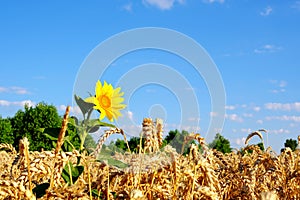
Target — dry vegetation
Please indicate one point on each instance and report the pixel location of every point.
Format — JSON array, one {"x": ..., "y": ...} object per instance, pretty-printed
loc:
[{"x": 154, "y": 173}]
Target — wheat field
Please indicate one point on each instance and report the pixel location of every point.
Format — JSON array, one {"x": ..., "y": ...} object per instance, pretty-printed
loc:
[
  {"x": 151, "y": 173},
  {"x": 163, "y": 174}
]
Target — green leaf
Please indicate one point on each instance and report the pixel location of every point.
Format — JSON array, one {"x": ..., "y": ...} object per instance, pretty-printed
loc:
[
  {"x": 75, "y": 172},
  {"x": 52, "y": 133},
  {"x": 50, "y": 137},
  {"x": 40, "y": 190},
  {"x": 54, "y": 144},
  {"x": 95, "y": 193},
  {"x": 94, "y": 129},
  {"x": 97, "y": 122},
  {"x": 111, "y": 161},
  {"x": 85, "y": 107},
  {"x": 74, "y": 121}
]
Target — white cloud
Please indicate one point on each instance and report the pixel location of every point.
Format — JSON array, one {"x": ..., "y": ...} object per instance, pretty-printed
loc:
[
  {"x": 280, "y": 86},
  {"x": 283, "y": 106},
  {"x": 128, "y": 7},
  {"x": 257, "y": 108},
  {"x": 163, "y": 4},
  {"x": 268, "y": 48},
  {"x": 284, "y": 118},
  {"x": 248, "y": 115},
  {"x": 132, "y": 130},
  {"x": 296, "y": 5},
  {"x": 260, "y": 121},
  {"x": 17, "y": 103},
  {"x": 246, "y": 130},
  {"x": 234, "y": 117},
  {"x": 240, "y": 141},
  {"x": 191, "y": 129},
  {"x": 213, "y": 114},
  {"x": 278, "y": 91},
  {"x": 14, "y": 90},
  {"x": 194, "y": 119},
  {"x": 213, "y": 1},
  {"x": 130, "y": 115},
  {"x": 267, "y": 11},
  {"x": 3, "y": 89},
  {"x": 279, "y": 131},
  {"x": 73, "y": 110},
  {"x": 230, "y": 107},
  {"x": 292, "y": 125}
]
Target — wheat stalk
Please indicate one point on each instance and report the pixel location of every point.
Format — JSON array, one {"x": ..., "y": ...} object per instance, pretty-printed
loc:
[
  {"x": 147, "y": 132},
  {"x": 159, "y": 129},
  {"x": 258, "y": 133},
  {"x": 63, "y": 130},
  {"x": 8, "y": 147},
  {"x": 24, "y": 150},
  {"x": 105, "y": 136}
]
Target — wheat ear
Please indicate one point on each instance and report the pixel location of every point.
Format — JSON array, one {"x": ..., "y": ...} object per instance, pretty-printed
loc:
[
  {"x": 24, "y": 151},
  {"x": 63, "y": 130},
  {"x": 105, "y": 136},
  {"x": 258, "y": 133},
  {"x": 159, "y": 129}
]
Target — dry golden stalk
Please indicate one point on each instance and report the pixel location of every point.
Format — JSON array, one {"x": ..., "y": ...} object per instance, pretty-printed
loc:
[
  {"x": 253, "y": 134},
  {"x": 147, "y": 131},
  {"x": 159, "y": 129},
  {"x": 105, "y": 136},
  {"x": 176, "y": 171},
  {"x": 63, "y": 130},
  {"x": 24, "y": 150},
  {"x": 8, "y": 147},
  {"x": 268, "y": 196},
  {"x": 194, "y": 152},
  {"x": 195, "y": 136},
  {"x": 298, "y": 146},
  {"x": 136, "y": 194}
]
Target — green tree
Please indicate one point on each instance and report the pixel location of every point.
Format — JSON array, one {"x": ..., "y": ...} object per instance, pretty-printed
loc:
[
  {"x": 134, "y": 142},
  {"x": 121, "y": 144},
  {"x": 221, "y": 144},
  {"x": 28, "y": 123},
  {"x": 89, "y": 143},
  {"x": 176, "y": 139},
  {"x": 6, "y": 132},
  {"x": 291, "y": 143},
  {"x": 261, "y": 146}
]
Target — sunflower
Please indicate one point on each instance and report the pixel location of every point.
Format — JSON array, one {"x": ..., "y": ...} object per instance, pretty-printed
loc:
[{"x": 107, "y": 101}]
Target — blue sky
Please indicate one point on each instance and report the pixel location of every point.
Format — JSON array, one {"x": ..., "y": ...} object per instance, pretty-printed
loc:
[{"x": 254, "y": 44}]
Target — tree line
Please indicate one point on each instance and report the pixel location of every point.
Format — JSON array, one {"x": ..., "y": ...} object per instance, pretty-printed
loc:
[{"x": 32, "y": 122}]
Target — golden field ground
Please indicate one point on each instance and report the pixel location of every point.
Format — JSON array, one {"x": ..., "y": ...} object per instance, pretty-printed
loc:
[{"x": 160, "y": 175}]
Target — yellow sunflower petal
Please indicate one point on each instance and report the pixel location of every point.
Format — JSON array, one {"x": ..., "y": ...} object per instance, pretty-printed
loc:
[
  {"x": 90, "y": 100},
  {"x": 117, "y": 100},
  {"x": 108, "y": 100},
  {"x": 98, "y": 89},
  {"x": 102, "y": 115}
]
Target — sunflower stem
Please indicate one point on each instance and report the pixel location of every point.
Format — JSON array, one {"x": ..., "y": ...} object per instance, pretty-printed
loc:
[{"x": 82, "y": 139}]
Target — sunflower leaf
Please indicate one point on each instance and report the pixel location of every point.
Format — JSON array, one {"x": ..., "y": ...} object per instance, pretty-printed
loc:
[
  {"x": 111, "y": 161},
  {"x": 40, "y": 190},
  {"x": 96, "y": 122},
  {"x": 85, "y": 107},
  {"x": 94, "y": 129},
  {"x": 71, "y": 171}
]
